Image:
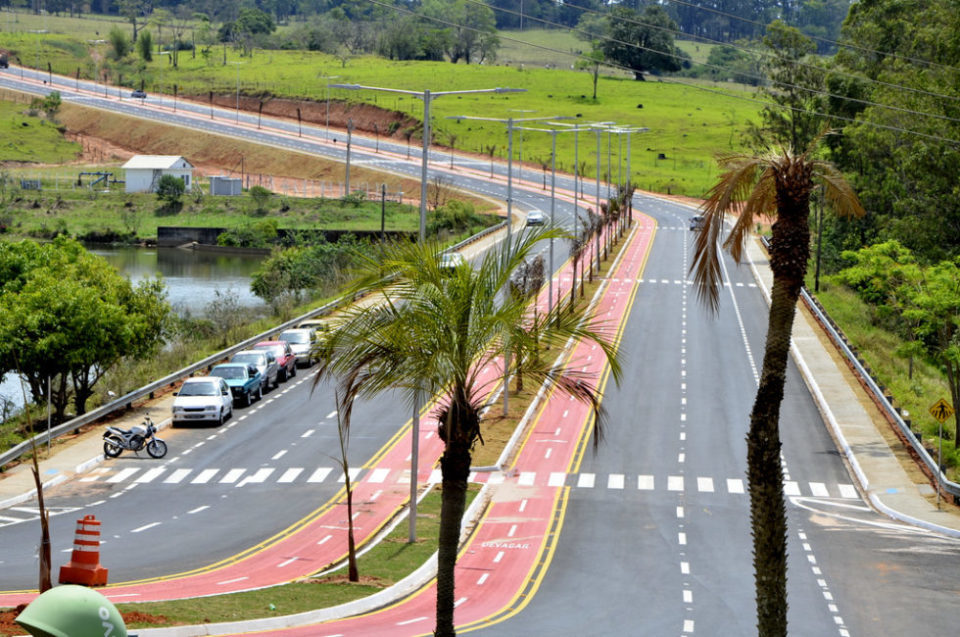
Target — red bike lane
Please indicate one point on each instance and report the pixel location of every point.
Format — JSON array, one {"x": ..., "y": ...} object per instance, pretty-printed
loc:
[{"x": 505, "y": 558}]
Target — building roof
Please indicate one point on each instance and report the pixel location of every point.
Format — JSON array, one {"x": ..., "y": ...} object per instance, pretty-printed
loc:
[{"x": 154, "y": 162}]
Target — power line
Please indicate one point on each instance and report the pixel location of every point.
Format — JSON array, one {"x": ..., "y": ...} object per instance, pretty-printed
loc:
[
  {"x": 690, "y": 85},
  {"x": 748, "y": 51}
]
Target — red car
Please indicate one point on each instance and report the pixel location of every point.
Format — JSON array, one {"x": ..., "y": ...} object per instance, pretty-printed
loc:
[{"x": 286, "y": 359}]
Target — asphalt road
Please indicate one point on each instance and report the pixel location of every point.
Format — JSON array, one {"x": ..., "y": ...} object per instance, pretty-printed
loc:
[{"x": 656, "y": 535}]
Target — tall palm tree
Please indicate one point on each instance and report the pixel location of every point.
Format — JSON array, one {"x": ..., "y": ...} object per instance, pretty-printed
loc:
[
  {"x": 434, "y": 330},
  {"x": 777, "y": 184}
]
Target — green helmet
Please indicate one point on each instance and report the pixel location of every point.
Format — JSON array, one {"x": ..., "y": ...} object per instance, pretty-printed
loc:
[{"x": 72, "y": 611}]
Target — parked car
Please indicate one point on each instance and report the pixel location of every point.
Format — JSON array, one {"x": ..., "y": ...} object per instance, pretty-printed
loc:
[
  {"x": 535, "y": 218},
  {"x": 451, "y": 260},
  {"x": 302, "y": 341},
  {"x": 696, "y": 222},
  {"x": 139, "y": 94},
  {"x": 245, "y": 381},
  {"x": 202, "y": 398},
  {"x": 319, "y": 326},
  {"x": 286, "y": 360},
  {"x": 266, "y": 364}
]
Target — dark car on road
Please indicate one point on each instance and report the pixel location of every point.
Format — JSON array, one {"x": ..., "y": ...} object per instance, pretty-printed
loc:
[
  {"x": 286, "y": 359},
  {"x": 245, "y": 381},
  {"x": 139, "y": 94},
  {"x": 696, "y": 222}
]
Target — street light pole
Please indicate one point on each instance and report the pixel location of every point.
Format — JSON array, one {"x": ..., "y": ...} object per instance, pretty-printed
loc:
[{"x": 427, "y": 97}]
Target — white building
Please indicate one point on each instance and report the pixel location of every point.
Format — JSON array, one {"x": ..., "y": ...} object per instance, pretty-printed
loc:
[{"x": 143, "y": 172}]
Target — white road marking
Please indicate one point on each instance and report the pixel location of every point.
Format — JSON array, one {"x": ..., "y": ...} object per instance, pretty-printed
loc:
[
  {"x": 526, "y": 478},
  {"x": 848, "y": 491},
  {"x": 123, "y": 474},
  {"x": 204, "y": 476},
  {"x": 557, "y": 479},
  {"x": 735, "y": 485},
  {"x": 285, "y": 562},
  {"x": 320, "y": 474},
  {"x": 705, "y": 485},
  {"x": 279, "y": 454},
  {"x": 615, "y": 481},
  {"x": 151, "y": 474},
  {"x": 198, "y": 509},
  {"x": 260, "y": 475},
  {"x": 379, "y": 475},
  {"x": 791, "y": 488},
  {"x": 586, "y": 480},
  {"x": 819, "y": 489},
  {"x": 145, "y": 527},
  {"x": 232, "y": 581},
  {"x": 232, "y": 476},
  {"x": 645, "y": 483},
  {"x": 674, "y": 483},
  {"x": 290, "y": 474},
  {"x": 177, "y": 476},
  {"x": 307, "y": 433}
]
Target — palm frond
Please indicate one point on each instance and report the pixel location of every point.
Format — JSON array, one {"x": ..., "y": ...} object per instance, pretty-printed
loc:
[
  {"x": 838, "y": 191},
  {"x": 734, "y": 186}
]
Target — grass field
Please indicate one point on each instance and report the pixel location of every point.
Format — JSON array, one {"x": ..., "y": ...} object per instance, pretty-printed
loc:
[{"x": 688, "y": 123}]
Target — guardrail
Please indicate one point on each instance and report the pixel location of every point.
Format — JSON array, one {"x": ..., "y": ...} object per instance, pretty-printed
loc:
[
  {"x": 126, "y": 401},
  {"x": 880, "y": 397}
]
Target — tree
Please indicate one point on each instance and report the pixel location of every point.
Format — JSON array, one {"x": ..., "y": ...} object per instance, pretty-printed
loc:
[
  {"x": 591, "y": 62},
  {"x": 67, "y": 316},
  {"x": 170, "y": 189},
  {"x": 777, "y": 184},
  {"x": 434, "y": 332},
  {"x": 133, "y": 11},
  {"x": 119, "y": 44},
  {"x": 145, "y": 46},
  {"x": 642, "y": 42},
  {"x": 793, "y": 120},
  {"x": 471, "y": 26}
]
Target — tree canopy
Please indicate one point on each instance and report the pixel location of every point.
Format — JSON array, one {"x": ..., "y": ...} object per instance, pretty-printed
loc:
[{"x": 68, "y": 316}]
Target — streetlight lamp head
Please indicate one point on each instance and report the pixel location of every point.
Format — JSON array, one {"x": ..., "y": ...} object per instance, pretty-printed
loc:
[
  {"x": 510, "y": 90},
  {"x": 350, "y": 87}
]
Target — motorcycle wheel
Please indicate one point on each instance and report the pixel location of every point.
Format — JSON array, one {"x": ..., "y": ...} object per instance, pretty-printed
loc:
[
  {"x": 111, "y": 449},
  {"x": 157, "y": 448}
]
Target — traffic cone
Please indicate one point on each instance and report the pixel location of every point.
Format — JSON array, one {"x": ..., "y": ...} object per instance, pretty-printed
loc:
[{"x": 84, "y": 566}]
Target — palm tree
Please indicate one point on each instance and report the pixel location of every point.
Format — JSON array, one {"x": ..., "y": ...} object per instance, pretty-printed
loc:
[
  {"x": 777, "y": 184},
  {"x": 434, "y": 330}
]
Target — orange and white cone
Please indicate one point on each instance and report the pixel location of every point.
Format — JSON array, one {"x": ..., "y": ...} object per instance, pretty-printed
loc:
[{"x": 84, "y": 566}]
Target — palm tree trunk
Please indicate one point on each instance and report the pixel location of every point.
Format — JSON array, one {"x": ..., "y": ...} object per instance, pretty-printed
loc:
[
  {"x": 455, "y": 468},
  {"x": 789, "y": 252}
]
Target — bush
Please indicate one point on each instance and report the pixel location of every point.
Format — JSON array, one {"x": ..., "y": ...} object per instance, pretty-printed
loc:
[
  {"x": 261, "y": 234},
  {"x": 170, "y": 189},
  {"x": 260, "y": 196}
]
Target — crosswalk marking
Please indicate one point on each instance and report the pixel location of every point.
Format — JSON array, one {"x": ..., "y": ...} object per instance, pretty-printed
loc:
[
  {"x": 290, "y": 474},
  {"x": 320, "y": 474},
  {"x": 848, "y": 491},
  {"x": 232, "y": 476},
  {"x": 205, "y": 476},
  {"x": 380, "y": 475},
  {"x": 151, "y": 474},
  {"x": 240, "y": 477},
  {"x": 177, "y": 476},
  {"x": 735, "y": 485},
  {"x": 122, "y": 475},
  {"x": 258, "y": 477}
]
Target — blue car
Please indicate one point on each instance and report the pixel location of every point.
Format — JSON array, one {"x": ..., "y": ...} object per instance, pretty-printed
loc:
[{"x": 244, "y": 381}]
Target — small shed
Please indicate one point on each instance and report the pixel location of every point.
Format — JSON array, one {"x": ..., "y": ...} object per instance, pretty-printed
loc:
[{"x": 143, "y": 172}]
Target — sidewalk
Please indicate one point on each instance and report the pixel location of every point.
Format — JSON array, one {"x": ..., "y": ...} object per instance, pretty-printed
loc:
[
  {"x": 878, "y": 472},
  {"x": 75, "y": 456}
]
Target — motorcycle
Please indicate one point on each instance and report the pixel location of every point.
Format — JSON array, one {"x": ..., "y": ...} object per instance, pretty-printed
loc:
[{"x": 115, "y": 440}]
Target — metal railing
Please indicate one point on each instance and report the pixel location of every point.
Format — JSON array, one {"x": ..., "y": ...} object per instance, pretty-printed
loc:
[
  {"x": 126, "y": 401},
  {"x": 893, "y": 413}
]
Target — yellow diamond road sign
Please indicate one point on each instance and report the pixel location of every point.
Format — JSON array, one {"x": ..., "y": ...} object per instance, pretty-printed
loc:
[{"x": 941, "y": 410}]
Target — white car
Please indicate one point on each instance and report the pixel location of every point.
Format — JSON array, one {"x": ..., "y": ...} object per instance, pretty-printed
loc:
[
  {"x": 203, "y": 398},
  {"x": 301, "y": 341},
  {"x": 535, "y": 218},
  {"x": 451, "y": 260}
]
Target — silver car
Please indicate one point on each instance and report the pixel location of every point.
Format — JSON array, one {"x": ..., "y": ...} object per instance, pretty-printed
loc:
[
  {"x": 264, "y": 361},
  {"x": 202, "y": 398},
  {"x": 301, "y": 341}
]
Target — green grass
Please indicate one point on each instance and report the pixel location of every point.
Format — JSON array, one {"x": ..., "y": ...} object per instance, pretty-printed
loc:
[
  {"x": 27, "y": 138},
  {"x": 385, "y": 564},
  {"x": 877, "y": 345},
  {"x": 689, "y": 123},
  {"x": 557, "y": 48}
]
